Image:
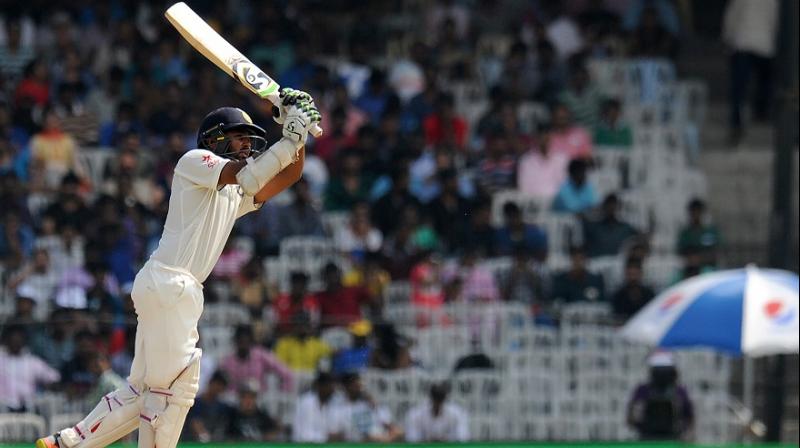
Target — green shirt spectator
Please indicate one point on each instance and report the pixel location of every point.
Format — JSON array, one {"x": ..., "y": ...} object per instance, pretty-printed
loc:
[{"x": 610, "y": 131}]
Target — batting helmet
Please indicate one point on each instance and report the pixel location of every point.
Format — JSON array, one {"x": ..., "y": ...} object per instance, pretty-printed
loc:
[{"x": 224, "y": 119}]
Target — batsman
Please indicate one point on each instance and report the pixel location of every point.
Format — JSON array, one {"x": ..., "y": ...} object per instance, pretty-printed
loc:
[{"x": 231, "y": 174}]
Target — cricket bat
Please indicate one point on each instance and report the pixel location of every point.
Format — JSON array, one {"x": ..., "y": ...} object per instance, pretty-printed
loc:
[{"x": 217, "y": 50}]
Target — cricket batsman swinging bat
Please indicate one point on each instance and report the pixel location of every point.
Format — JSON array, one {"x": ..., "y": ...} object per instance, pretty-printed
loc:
[{"x": 217, "y": 50}]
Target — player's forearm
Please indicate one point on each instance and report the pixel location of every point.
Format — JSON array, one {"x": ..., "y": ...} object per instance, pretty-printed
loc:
[{"x": 282, "y": 180}]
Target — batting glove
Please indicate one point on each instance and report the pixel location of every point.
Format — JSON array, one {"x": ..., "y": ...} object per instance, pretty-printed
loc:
[
  {"x": 289, "y": 97},
  {"x": 299, "y": 119}
]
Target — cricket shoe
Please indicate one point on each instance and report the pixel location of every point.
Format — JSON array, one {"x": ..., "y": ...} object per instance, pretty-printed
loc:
[{"x": 49, "y": 441}]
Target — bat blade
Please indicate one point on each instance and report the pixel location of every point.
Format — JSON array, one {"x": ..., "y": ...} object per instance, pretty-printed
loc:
[{"x": 216, "y": 49}]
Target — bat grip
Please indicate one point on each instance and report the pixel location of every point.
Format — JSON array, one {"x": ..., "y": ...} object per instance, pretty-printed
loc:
[{"x": 316, "y": 131}]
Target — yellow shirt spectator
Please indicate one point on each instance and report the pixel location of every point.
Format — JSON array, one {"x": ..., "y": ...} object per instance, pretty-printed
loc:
[{"x": 302, "y": 354}]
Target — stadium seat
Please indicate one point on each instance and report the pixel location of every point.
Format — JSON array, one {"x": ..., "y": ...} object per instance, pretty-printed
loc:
[
  {"x": 224, "y": 314},
  {"x": 61, "y": 421},
  {"x": 216, "y": 342},
  {"x": 21, "y": 427},
  {"x": 337, "y": 338}
]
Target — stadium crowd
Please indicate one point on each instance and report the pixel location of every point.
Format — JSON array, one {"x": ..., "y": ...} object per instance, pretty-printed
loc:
[{"x": 410, "y": 173}]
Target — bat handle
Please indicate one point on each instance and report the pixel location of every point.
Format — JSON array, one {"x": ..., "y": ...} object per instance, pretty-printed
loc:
[{"x": 316, "y": 131}]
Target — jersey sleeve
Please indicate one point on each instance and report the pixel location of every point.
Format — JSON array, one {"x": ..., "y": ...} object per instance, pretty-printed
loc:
[{"x": 201, "y": 167}]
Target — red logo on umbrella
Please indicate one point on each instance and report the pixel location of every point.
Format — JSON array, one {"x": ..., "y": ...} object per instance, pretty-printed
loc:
[
  {"x": 670, "y": 302},
  {"x": 778, "y": 313}
]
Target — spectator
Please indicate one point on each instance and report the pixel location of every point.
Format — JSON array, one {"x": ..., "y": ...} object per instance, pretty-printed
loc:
[
  {"x": 391, "y": 349},
  {"x": 302, "y": 350},
  {"x": 581, "y": 97},
  {"x": 444, "y": 126},
  {"x": 437, "y": 420},
  {"x": 14, "y": 54},
  {"x": 340, "y": 305},
  {"x": 34, "y": 87},
  {"x": 566, "y": 138},
  {"x": 448, "y": 210},
  {"x": 253, "y": 362},
  {"x": 208, "y": 418},
  {"x": 248, "y": 423},
  {"x": 693, "y": 265},
  {"x": 301, "y": 216},
  {"x": 16, "y": 239},
  {"x": 478, "y": 283},
  {"x": 576, "y": 194},
  {"x": 76, "y": 375},
  {"x": 55, "y": 150},
  {"x": 37, "y": 278},
  {"x": 287, "y": 305},
  {"x": 698, "y": 235},
  {"x": 397, "y": 198},
  {"x": 651, "y": 40},
  {"x": 362, "y": 420},
  {"x": 355, "y": 358},
  {"x": 376, "y": 98},
  {"x": 21, "y": 373},
  {"x": 426, "y": 282},
  {"x": 517, "y": 232},
  {"x": 359, "y": 236},
  {"x": 661, "y": 409},
  {"x": 523, "y": 283},
  {"x": 479, "y": 231},
  {"x": 253, "y": 289},
  {"x": 607, "y": 234},
  {"x": 578, "y": 284},
  {"x": 552, "y": 70},
  {"x": 540, "y": 171},
  {"x": 750, "y": 29},
  {"x": 633, "y": 295},
  {"x": 370, "y": 275},
  {"x": 350, "y": 186},
  {"x": 231, "y": 261},
  {"x": 611, "y": 131},
  {"x": 315, "y": 418},
  {"x": 497, "y": 169},
  {"x": 105, "y": 379},
  {"x": 563, "y": 31}
]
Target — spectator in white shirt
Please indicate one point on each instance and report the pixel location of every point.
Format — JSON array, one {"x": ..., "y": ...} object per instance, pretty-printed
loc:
[
  {"x": 315, "y": 417},
  {"x": 361, "y": 418},
  {"x": 436, "y": 420},
  {"x": 360, "y": 236},
  {"x": 21, "y": 372}
]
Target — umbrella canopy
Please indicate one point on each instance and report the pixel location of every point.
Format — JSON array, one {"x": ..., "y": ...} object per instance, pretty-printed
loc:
[{"x": 742, "y": 311}]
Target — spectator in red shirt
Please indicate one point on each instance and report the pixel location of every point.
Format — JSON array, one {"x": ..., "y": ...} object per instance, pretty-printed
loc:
[
  {"x": 297, "y": 300},
  {"x": 340, "y": 305},
  {"x": 443, "y": 126}
]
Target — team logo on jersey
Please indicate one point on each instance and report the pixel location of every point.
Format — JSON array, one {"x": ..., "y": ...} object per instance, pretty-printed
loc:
[{"x": 210, "y": 161}]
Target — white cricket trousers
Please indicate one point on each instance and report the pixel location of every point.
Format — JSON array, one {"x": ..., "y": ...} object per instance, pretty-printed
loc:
[{"x": 168, "y": 302}]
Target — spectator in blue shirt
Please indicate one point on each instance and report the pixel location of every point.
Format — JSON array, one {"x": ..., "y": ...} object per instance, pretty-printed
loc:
[
  {"x": 517, "y": 232},
  {"x": 576, "y": 195},
  {"x": 356, "y": 358}
]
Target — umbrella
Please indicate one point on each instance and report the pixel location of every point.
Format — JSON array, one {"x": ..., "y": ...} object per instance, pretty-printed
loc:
[
  {"x": 751, "y": 312},
  {"x": 747, "y": 311}
]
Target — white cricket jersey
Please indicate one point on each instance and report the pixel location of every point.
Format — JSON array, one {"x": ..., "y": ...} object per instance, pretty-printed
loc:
[{"x": 201, "y": 215}]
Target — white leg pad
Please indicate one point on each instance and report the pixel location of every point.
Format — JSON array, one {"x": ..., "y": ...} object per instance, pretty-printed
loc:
[
  {"x": 116, "y": 416},
  {"x": 164, "y": 410}
]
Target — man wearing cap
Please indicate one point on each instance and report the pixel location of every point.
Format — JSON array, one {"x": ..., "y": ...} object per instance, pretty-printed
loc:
[{"x": 661, "y": 409}]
